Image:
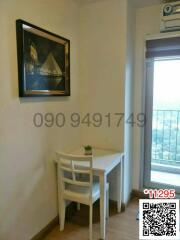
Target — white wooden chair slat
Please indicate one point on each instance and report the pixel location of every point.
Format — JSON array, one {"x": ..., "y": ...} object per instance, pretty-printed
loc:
[
  {"x": 78, "y": 183},
  {"x": 84, "y": 158},
  {"x": 75, "y": 170}
]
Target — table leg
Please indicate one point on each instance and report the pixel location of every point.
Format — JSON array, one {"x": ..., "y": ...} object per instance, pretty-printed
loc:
[
  {"x": 59, "y": 193},
  {"x": 119, "y": 186},
  {"x": 103, "y": 205}
]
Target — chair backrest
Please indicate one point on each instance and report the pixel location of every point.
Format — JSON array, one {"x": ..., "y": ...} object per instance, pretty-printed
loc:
[{"x": 71, "y": 167}]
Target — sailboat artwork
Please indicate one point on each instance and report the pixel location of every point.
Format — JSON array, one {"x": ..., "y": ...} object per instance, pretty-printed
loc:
[
  {"x": 49, "y": 73},
  {"x": 45, "y": 62},
  {"x": 51, "y": 69}
]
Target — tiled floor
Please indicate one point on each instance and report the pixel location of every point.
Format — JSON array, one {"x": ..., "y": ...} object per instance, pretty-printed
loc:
[{"x": 123, "y": 226}]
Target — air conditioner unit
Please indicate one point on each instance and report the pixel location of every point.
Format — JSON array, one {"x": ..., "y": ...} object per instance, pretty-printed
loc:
[{"x": 170, "y": 17}]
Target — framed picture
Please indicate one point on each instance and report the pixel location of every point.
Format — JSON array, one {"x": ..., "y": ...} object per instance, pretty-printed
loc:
[{"x": 43, "y": 62}]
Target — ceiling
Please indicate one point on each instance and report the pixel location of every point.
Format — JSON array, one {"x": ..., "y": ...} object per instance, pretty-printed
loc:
[{"x": 138, "y": 3}]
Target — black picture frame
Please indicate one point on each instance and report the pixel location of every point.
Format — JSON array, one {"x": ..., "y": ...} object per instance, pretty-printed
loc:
[{"x": 43, "y": 61}]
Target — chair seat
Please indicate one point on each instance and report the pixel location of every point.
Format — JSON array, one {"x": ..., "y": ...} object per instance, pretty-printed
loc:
[{"x": 82, "y": 194}]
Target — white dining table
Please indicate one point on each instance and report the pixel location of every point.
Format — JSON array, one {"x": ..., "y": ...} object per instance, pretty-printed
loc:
[{"x": 104, "y": 161}]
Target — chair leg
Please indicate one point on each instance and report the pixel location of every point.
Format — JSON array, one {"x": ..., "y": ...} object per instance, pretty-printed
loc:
[
  {"x": 107, "y": 204},
  {"x": 78, "y": 206},
  {"x": 62, "y": 214},
  {"x": 90, "y": 221}
]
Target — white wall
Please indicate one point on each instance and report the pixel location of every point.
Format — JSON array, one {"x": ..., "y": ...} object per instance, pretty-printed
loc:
[
  {"x": 106, "y": 71},
  {"x": 147, "y": 22},
  {"x": 102, "y": 54},
  {"x": 102, "y": 70},
  {"x": 27, "y": 172},
  {"x": 129, "y": 84}
]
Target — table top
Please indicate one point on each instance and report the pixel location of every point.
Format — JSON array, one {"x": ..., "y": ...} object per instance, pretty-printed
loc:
[{"x": 103, "y": 160}]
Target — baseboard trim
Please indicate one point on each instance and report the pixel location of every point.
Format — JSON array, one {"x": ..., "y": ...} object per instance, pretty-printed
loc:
[
  {"x": 114, "y": 203},
  {"x": 46, "y": 229},
  {"x": 138, "y": 194},
  {"x": 70, "y": 209},
  {"x": 123, "y": 207}
]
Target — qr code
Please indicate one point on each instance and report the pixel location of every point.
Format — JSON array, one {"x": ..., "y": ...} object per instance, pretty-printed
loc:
[{"x": 159, "y": 219}]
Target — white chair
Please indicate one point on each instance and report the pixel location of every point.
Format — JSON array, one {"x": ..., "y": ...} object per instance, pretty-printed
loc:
[{"x": 78, "y": 189}]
